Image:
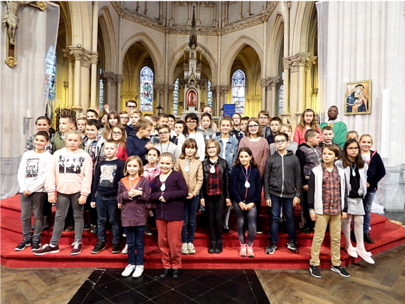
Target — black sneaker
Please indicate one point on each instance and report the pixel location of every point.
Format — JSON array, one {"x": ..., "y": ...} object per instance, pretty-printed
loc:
[
  {"x": 271, "y": 248},
  {"x": 116, "y": 248},
  {"x": 340, "y": 270},
  {"x": 36, "y": 245},
  {"x": 314, "y": 270},
  {"x": 292, "y": 246},
  {"x": 148, "y": 231},
  {"x": 24, "y": 243},
  {"x": 94, "y": 230},
  {"x": 88, "y": 226},
  {"x": 99, "y": 247}
]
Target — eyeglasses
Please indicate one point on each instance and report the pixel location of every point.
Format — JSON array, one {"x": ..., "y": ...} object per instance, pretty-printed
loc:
[
  {"x": 163, "y": 133},
  {"x": 253, "y": 126},
  {"x": 131, "y": 107},
  {"x": 263, "y": 117},
  {"x": 212, "y": 147},
  {"x": 191, "y": 122},
  {"x": 116, "y": 133},
  {"x": 280, "y": 142}
]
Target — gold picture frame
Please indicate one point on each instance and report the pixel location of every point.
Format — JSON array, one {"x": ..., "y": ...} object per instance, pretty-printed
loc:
[{"x": 358, "y": 97}]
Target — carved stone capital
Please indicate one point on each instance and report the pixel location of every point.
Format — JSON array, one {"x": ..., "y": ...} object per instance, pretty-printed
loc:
[
  {"x": 274, "y": 81},
  {"x": 160, "y": 88},
  {"x": 94, "y": 58},
  {"x": 225, "y": 89},
  {"x": 214, "y": 89},
  {"x": 286, "y": 63},
  {"x": 113, "y": 78},
  {"x": 168, "y": 88},
  {"x": 265, "y": 82}
]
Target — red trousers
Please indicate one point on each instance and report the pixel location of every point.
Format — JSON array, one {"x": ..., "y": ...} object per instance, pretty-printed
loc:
[{"x": 169, "y": 241}]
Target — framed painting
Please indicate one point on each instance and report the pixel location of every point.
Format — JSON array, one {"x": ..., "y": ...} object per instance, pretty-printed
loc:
[{"x": 358, "y": 97}]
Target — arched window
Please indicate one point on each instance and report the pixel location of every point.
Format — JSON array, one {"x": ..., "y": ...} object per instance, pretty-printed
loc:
[
  {"x": 146, "y": 90},
  {"x": 238, "y": 91},
  {"x": 175, "y": 96},
  {"x": 209, "y": 97}
]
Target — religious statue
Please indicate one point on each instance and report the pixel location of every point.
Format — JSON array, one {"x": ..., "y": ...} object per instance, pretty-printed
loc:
[
  {"x": 191, "y": 101},
  {"x": 10, "y": 19}
]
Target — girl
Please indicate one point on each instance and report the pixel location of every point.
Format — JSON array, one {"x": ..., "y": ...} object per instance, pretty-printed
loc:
[
  {"x": 352, "y": 135},
  {"x": 113, "y": 119},
  {"x": 191, "y": 132},
  {"x": 70, "y": 175},
  {"x": 119, "y": 135},
  {"x": 214, "y": 193},
  {"x": 180, "y": 130},
  {"x": 206, "y": 121},
  {"x": 169, "y": 190},
  {"x": 133, "y": 194},
  {"x": 293, "y": 146},
  {"x": 245, "y": 187},
  {"x": 375, "y": 172},
  {"x": 189, "y": 165},
  {"x": 308, "y": 121},
  {"x": 355, "y": 172},
  {"x": 261, "y": 152}
]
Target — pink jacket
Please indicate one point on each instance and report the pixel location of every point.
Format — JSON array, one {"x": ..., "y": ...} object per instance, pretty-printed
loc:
[
  {"x": 299, "y": 135},
  {"x": 70, "y": 172}
]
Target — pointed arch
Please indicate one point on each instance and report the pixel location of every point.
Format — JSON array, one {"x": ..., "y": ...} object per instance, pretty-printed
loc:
[
  {"x": 276, "y": 39},
  {"x": 301, "y": 31},
  {"x": 108, "y": 35}
]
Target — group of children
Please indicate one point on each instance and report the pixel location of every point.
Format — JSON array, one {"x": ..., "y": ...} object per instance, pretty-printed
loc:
[{"x": 136, "y": 173}]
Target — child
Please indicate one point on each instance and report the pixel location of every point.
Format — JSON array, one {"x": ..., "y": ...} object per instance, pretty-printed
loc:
[
  {"x": 190, "y": 166},
  {"x": 120, "y": 138},
  {"x": 275, "y": 125},
  {"x": 180, "y": 130},
  {"x": 215, "y": 192},
  {"x": 355, "y": 171},
  {"x": 154, "y": 135},
  {"x": 375, "y": 172},
  {"x": 93, "y": 142},
  {"x": 70, "y": 175},
  {"x": 139, "y": 143},
  {"x": 104, "y": 196},
  {"x": 124, "y": 117},
  {"x": 208, "y": 109},
  {"x": 293, "y": 146},
  {"x": 31, "y": 178},
  {"x": 170, "y": 122},
  {"x": 327, "y": 203},
  {"x": 66, "y": 123},
  {"x": 163, "y": 119},
  {"x": 310, "y": 156},
  {"x": 282, "y": 188},
  {"x": 237, "y": 131},
  {"x": 264, "y": 117},
  {"x": 245, "y": 187},
  {"x": 43, "y": 123},
  {"x": 135, "y": 116},
  {"x": 243, "y": 123},
  {"x": 112, "y": 120},
  {"x": 352, "y": 135},
  {"x": 228, "y": 150},
  {"x": 308, "y": 121},
  {"x": 206, "y": 121},
  {"x": 81, "y": 125},
  {"x": 169, "y": 190},
  {"x": 133, "y": 194},
  {"x": 191, "y": 132},
  {"x": 165, "y": 145},
  {"x": 91, "y": 114}
]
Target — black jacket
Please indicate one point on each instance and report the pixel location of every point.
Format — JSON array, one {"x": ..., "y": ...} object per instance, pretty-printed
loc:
[
  {"x": 224, "y": 177},
  {"x": 376, "y": 170}
]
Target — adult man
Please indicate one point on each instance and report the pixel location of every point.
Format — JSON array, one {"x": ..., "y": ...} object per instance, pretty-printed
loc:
[{"x": 339, "y": 127}]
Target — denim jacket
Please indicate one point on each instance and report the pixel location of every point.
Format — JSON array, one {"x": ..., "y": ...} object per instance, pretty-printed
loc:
[{"x": 231, "y": 150}]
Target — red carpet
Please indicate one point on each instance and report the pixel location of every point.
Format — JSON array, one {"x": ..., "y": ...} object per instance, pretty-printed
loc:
[{"x": 385, "y": 234}]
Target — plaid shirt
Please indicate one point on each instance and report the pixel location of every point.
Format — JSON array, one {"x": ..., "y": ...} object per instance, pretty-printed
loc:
[
  {"x": 331, "y": 191},
  {"x": 214, "y": 181},
  {"x": 150, "y": 174}
]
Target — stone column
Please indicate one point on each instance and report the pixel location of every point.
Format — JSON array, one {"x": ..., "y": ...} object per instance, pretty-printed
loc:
[
  {"x": 113, "y": 98},
  {"x": 308, "y": 70},
  {"x": 76, "y": 52},
  {"x": 85, "y": 79},
  {"x": 224, "y": 92},
  {"x": 66, "y": 53},
  {"x": 93, "y": 91},
  {"x": 286, "y": 106},
  {"x": 168, "y": 90},
  {"x": 119, "y": 79},
  {"x": 159, "y": 90},
  {"x": 264, "y": 83},
  {"x": 272, "y": 89},
  {"x": 215, "y": 102}
]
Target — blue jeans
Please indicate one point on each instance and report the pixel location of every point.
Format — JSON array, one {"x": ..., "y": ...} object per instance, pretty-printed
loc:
[
  {"x": 107, "y": 206},
  {"x": 368, "y": 202},
  {"x": 135, "y": 239},
  {"x": 288, "y": 209},
  {"x": 190, "y": 213}
]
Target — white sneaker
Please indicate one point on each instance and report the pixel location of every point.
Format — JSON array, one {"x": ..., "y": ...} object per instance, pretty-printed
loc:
[
  {"x": 184, "y": 248},
  {"x": 128, "y": 270},
  {"x": 125, "y": 250},
  {"x": 191, "y": 249},
  {"x": 138, "y": 271}
]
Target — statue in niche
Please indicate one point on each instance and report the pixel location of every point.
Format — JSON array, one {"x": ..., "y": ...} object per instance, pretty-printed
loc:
[
  {"x": 191, "y": 99},
  {"x": 10, "y": 19}
]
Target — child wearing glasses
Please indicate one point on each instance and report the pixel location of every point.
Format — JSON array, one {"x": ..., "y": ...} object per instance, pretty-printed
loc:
[
  {"x": 165, "y": 144},
  {"x": 119, "y": 136},
  {"x": 192, "y": 132},
  {"x": 292, "y": 146},
  {"x": 282, "y": 188}
]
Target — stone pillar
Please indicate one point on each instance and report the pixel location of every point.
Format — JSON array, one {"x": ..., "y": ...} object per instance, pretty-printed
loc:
[
  {"x": 159, "y": 90},
  {"x": 272, "y": 89},
  {"x": 93, "y": 91},
  {"x": 215, "y": 103},
  {"x": 168, "y": 91},
  {"x": 76, "y": 52},
  {"x": 85, "y": 79},
  {"x": 224, "y": 92},
  {"x": 299, "y": 62},
  {"x": 264, "y": 83},
  {"x": 66, "y": 53},
  {"x": 309, "y": 85},
  {"x": 112, "y": 96},
  {"x": 286, "y": 106},
  {"x": 119, "y": 80}
]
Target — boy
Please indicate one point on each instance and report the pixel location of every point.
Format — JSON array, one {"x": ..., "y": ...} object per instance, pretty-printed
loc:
[
  {"x": 170, "y": 122},
  {"x": 32, "y": 174},
  {"x": 139, "y": 143},
  {"x": 104, "y": 197},
  {"x": 282, "y": 188},
  {"x": 237, "y": 131},
  {"x": 81, "y": 125},
  {"x": 275, "y": 125},
  {"x": 327, "y": 203},
  {"x": 310, "y": 156},
  {"x": 124, "y": 117},
  {"x": 327, "y": 135},
  {"x": 91, "y": 114},
  {"x": 243, "y": 123},
  {"x": 43, "y": 123},
  {"x": 135, "y": 116},
  {"x": 339, "y": 127},
  {"x": 131, "y": 105},
  {"x": 264, "y": 117},
  {"x": 163, "y": 119},
  {"x": 66, "y": 123},
  {"x": 165, "y": 145},
  {"x": 154, "y": 135}
]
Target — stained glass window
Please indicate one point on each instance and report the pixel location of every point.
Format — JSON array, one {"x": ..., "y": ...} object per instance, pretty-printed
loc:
[
  {"x": 281, "y": 95},
  {"x": 50, "y": 72},
  {"x": 238, "y": 91},
  {"x": 101, "y": 91},
  {"x": 209, "y": 97},
  {"x": 146, "y": 88},
  {"x": 176, "y": 97}
]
